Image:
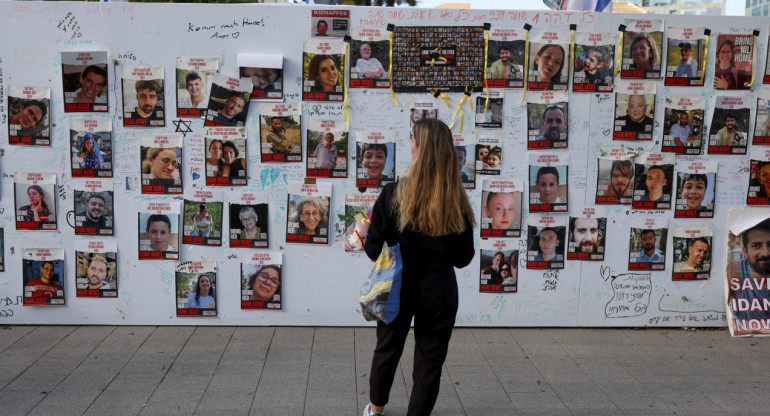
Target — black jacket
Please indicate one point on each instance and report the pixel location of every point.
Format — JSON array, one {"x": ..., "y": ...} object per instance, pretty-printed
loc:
[{"x": 420, "y": 254}]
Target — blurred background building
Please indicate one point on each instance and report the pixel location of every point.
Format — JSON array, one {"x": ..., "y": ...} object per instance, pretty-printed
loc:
[{"x": 691, "y": 7}]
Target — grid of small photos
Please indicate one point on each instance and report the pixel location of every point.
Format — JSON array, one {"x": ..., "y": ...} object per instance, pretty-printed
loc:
[{"x": 430, "y": 60}]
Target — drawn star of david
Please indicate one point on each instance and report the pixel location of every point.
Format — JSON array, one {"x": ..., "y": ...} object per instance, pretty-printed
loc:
[{"x": 183, "y": 126}]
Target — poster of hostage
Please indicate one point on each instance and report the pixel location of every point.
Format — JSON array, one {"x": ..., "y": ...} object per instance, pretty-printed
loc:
[
  {"x": 265, "y": 72},
  {"x": 143, "y": 97},
  {"x": 729, "y": 132},
  {"x": 647, "y": 244},
  {"x": 226, "y": 162},
  {"x": 196, "y": 293},
  {"x": 248, "y": 220},
  {"x": 587, "y": 234},
  {"x": 158, "y": 230},
  {"x": 686, "y": 56},
  {"x": 642, "y": 42},
  {"x": 759, "y": 178},
  {"x": 369, "y": 57},
  {"x": 634, "y": 110},
  {"x": 29, "y": 115},
  {"x": 465, "y": 148},
  {"x": 548, "y": 61},
  {"x": 501, "y": 208},
  {"x": 547, "y": 122},
  {"x": 696, "y": 188},
  {"x": 375, "y": 158},
  {"x": 84, "y": 81},
  {"x": 261, "y": 281},
  {"x": 548, "y": 174},
  {"x": 615, "y": 176},
  {"x": 280, "y": 136},
  {"x": 498, "y": 266},
  {"x": 96, "y": 268},
  {"x": 43, "y": 276},
  {"x": 748, "y": 271},
  {"x": 327, "y": 148},
  {"x": 653, "y": 180},
  {"x": 308, "y": 212},
  {"x": 505, "y": 58},
  {"x": 161, "y": 163},
  {"x": 594, "y": 62},
  {"x": 91, "y": 147},
  {"x": 683, "y": 125},
  {"x": 94, "y": 207},
  {"x": 35, "y": 200},
  {"x": 545, "y": 241},
  {"x": 194, "y": 76},
  {"x": 202, "y": 218},
  {"x": 228, "y": 102},
  {"x": 762, "y": 118},
  {"x": 692, "y": 252}
]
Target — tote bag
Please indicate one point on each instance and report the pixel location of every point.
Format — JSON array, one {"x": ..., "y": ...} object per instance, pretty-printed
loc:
[{"x": 381, "y": 293}]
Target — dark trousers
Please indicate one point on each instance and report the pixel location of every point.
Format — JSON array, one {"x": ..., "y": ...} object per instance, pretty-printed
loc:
[{"x": 432, "y": 300}]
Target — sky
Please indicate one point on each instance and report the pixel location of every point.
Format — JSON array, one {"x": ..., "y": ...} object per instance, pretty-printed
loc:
[{"x": 734, "y": 7}]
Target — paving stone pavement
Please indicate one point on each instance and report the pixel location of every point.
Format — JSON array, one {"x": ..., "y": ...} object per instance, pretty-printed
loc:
[{"x": 222, "y": 371}]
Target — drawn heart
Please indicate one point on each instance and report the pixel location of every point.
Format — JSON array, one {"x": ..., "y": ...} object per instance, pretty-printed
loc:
[
  {"x": 606, "y": 132},
  {"x": 236, "y": 34},
  {"x": 195, "y": 176},
  {"x": 605, "y": 271}
]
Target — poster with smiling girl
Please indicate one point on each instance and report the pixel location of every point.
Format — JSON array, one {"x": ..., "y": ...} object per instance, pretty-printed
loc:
[{"x": 501, "y": 208}]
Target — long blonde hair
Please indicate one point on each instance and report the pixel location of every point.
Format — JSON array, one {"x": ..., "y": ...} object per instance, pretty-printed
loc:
[{"x": 431, "y": 199}]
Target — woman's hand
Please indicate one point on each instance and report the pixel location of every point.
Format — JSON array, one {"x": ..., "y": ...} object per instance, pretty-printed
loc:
[
  {"x": 36, "y": 210},
  {"x": 720, "y": 83}
]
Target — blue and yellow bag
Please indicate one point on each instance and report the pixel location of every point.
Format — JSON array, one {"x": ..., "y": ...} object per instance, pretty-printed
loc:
[{"x": 381, "y": 293}]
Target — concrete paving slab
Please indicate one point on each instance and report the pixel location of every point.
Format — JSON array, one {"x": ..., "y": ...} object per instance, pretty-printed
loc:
[{"x": 293, "y": 371}]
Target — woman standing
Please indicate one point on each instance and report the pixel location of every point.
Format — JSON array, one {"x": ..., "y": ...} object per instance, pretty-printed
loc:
[{"x": 429, "y": 215}]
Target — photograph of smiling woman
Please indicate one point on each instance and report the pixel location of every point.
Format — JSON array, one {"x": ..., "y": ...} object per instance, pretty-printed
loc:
[
  {"x": 308, "y": 212},
  {"x": 29, "y": 115},
  {"x": 323, "y": 76},
  {"x": 548, "y": 60},
  {"x": 642, "y": 49}
]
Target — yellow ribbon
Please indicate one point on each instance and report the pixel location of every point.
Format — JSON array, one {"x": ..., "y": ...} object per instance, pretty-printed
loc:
[
  {"x": 753, "y": 64},
  {"x": 486, "y": 82},
  {"x": 436, "y": 51},
  {"x": 345, "y": 105},
  {"x": 703, "y": 62},
  {"x": 468, "y": 91},
  {"x": 390, "y": 70},
  {"x": 620, "y": 54},
  {"x": 438, "y": 94},
  {"x": 571, "y": 54},
  {"x": 526, "y": 69}
]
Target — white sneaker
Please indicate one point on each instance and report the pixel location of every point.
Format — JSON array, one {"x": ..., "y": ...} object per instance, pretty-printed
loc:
[{"x": 368, "y": 411}]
